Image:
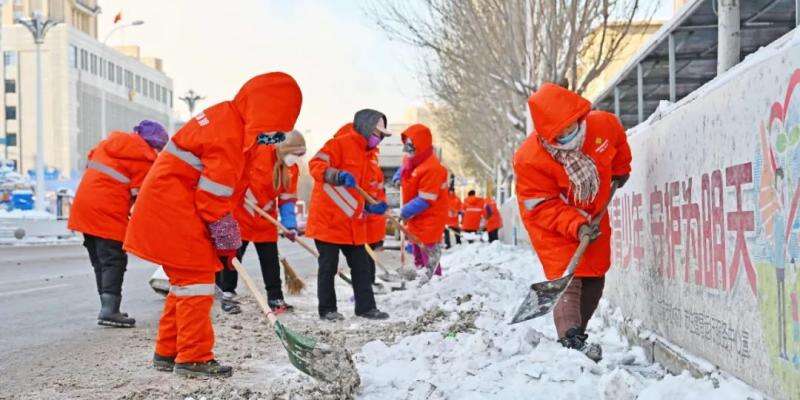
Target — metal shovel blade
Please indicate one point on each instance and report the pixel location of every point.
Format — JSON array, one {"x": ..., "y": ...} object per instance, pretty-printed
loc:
[{"x": 541, "y": 299}]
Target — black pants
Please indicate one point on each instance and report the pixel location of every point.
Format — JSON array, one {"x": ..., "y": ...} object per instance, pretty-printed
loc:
[
  {"x": 270, "y": 270},
  {"x": 109, "y": 262},
  {"x": 493, "y": 235},
  {"x": 358, "y": 261},
  {"x": 455, "y": 232}
]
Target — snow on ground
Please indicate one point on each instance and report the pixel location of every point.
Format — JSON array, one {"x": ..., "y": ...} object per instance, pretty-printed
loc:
[
  {"x": 25, "y": 214},
  {"x": 467, "y": 350}
]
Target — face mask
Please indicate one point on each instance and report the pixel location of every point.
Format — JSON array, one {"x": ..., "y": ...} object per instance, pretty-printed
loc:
[
  {"x": 291, "y": 159},
  {"x": 265, "y": 138},
  {"x": 408, "y": 147},
  {"x": 566, "y": 138},
  {"x": 373, "y": 141}
]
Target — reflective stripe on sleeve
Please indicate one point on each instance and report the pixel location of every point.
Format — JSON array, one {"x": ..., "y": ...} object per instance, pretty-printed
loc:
[
  {"x": 134, "y": 191},
  {"x": 287, "y": 196},
  {"x": 184, "y": 155},
  {"x": 531, "y": 203},
  {"x": 111, "y": 172},
  {"x": 198, "y": 289},
  {"x": 336, "y": 197},
  {"x": 428, "y": 196},
  {"x": 474, "y": 209},
  {"x": 323, "y": 156},
  {"x": 214, "y": 188}
]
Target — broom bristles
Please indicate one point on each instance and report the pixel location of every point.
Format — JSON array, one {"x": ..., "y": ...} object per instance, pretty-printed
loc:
[{"x": 294, "y": 285}]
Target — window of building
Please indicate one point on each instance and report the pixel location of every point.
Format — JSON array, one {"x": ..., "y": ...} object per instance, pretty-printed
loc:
[
  {"x": 111, "y": 67},
  {"x": 102, "y": 67},
  {"x": 11, "y": 112},
  {"x": 170, "y": 99},
  {"x": 152, "y": 90},
  {"x": 119, "y": 75},
  {"x": 159, "y": 94},
  {"x": 138, "y": 83},
  {"x": 10, "y": 58},
  {"x": 144, "y": 87},
  {"x": 84, "y": 60},
  {"x": 11, "y": 139},
  {"x": 93, "y": 68},
  {"x": 73, "y": 56},
  {"x": 11, "y": 86},
  {"x": 128, "y": 79}
]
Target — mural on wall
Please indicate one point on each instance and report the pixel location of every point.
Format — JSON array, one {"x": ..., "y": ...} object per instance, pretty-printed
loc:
[
  {"x": 778, "y": 239},
  {"x": 727, "y": 239}
]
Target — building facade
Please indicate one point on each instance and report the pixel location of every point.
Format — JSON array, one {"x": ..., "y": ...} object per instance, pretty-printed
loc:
[{"x": 79, "y": 74}]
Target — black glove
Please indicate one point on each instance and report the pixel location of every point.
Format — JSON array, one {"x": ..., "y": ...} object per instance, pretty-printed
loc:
[
  {"x": 620, "y": 180},
  {"x": 588, "y": 230}
]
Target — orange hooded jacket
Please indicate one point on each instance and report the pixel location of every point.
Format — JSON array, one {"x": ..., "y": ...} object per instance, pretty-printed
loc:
[
  {"x": 114, "y": 173},
  {"x": 455, "y": 209},
  {"x": 428, "y": 181},
  {"x": 336, "y": 214},
  {"x": 549, "y": 213},
  {"x": 494, "y": 222},
  {"x": 259, "y": 186},
  {"x": 376, "y": 224},
  {"x": 194, "y": 178},
  {"x": 473, "y": 213}
]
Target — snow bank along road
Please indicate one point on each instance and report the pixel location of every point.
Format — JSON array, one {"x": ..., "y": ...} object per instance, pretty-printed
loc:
[{"x": 447, "y": 340}]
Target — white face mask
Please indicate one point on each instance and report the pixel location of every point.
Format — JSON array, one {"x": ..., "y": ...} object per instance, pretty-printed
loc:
[{"x": 291, "y": 159}]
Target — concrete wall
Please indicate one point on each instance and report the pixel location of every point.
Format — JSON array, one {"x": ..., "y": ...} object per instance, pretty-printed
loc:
[{"x": 707, "y": 231}]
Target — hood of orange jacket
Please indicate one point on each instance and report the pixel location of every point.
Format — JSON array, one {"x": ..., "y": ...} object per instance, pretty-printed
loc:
[
  {"x": 420, "y": 136},
  {"x": 554, "y": 108},
  {"x": 268, "y": 103}
]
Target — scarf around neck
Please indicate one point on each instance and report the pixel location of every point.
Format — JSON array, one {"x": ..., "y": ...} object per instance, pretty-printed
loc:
[
  {"x": 580, "y": 168},
  {"x": 411, "y": 163}
]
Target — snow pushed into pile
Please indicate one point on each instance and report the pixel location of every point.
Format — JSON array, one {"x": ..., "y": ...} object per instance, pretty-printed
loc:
[{"x": 464, "y": 348}]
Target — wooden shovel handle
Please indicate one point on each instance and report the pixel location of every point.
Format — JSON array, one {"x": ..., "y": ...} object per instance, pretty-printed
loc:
[
  {"x": 260, "y": 299},
  {"x": 280, "y": 226},
  {"x": 375, "y": 257}
]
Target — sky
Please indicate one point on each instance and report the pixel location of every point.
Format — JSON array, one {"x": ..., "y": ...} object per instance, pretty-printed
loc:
[{"x": 341, "y": 60}]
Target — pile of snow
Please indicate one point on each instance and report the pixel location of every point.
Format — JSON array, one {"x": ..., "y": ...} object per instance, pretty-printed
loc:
[
  {"x": 25, "y": 214},
  {"x": 465, "y": 349}
]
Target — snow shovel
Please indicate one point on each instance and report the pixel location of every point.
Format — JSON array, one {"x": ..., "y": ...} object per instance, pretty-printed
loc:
[
  {"x": 543, "y": 296},
  {"x": 386, "y": 276},
  {"x": 318, "y": 360},
  {"x": 394, "y": 220},
  {"x": 283, "y": 230}
]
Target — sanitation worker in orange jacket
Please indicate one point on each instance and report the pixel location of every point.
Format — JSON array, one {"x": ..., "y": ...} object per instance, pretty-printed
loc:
[
  {"x": 114, "y": 173},
  {"x": 494, "y": 221},
  {"x": 425, "y": 196},
  {"x": 183, "y": 218},
  {"x": 564, "y": 174},
  {"x": 453, "y": 215},
  {"x": 376, "y": 223},
  {"x": 271, "y": 183},
  {"x": 336, "y": 219},
  {"x": 474, "y": 213}
]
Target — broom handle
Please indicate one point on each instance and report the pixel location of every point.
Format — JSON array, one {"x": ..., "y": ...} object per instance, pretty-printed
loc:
[
  {"x": 280, "y": 226},
  {"x": 260, "y": 299},
  {"x": 375, "y": 257},
  {"x": 397, "y": 223},
  {"x": 283, "y": 230}
]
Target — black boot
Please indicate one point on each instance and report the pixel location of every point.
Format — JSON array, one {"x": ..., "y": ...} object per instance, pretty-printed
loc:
[
  {"x": 374, "y": 314},
  {"x": 163, "y": 363},
  {"x": 575, "y": 338},
  {"x": 109, "y": 312},
  {"x": 208, "y": 369}
]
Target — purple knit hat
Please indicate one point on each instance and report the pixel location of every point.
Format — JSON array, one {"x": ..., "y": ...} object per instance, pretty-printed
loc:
[{"x": 153, "y": 133}]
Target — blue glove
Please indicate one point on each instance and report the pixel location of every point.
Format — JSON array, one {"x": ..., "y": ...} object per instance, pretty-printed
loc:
[
  {"x": 346, "y": 179},
  {"x": 396, "y": 176},
  {"x": 409, "y": 248},
  {"x": 414, "y": 207},
  {"x": 288, "y": 218},
  {"x": 488, "y": 211},
  {"x": 378, "y": 209}
]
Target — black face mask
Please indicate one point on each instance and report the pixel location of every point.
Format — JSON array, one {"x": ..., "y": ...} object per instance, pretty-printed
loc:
[{"x": 266, "y": 139}]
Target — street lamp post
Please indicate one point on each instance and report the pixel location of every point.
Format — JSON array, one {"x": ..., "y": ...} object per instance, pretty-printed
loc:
[
  {"x": 38, "y": 26},
  {"x": 191, "y": 98},
  {"x": 103, "y": 130}
]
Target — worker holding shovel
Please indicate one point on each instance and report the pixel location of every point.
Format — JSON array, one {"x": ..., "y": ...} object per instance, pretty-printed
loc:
[
  {"x": 271, "y": 183},
  {"x": 565, "y": 170},
  {"x": 183, "y": 219},
  {"x": 425, "y": 195},
  {"x": 337, "y": 213}
]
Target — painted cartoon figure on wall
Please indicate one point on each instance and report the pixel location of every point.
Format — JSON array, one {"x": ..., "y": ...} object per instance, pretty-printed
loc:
[{"x": 777, "y": 175}]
